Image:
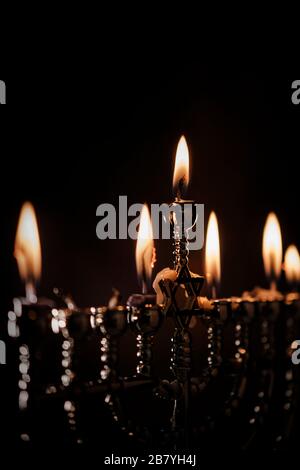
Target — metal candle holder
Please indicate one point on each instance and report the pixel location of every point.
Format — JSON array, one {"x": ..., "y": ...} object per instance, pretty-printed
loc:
[
  {"x": 240, "y": 377},
  {"x": 145, "y": 318},
  {"x": 113, "y": 323},
  {"x": 29, "y": 325},
  {"x": 179, "y": 304}
]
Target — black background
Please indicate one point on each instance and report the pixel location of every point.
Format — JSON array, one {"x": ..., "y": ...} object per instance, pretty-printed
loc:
[{"x": 71, "y": 140}]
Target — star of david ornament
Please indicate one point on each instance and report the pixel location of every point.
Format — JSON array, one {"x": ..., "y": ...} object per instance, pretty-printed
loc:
[{"x": 181, "y": 295}]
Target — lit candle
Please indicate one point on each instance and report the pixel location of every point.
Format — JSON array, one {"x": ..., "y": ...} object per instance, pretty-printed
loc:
[
  {"x": 268, "y": 309},
  {"x": 144, "y": 314},
  {"x": 292, "y": 266},
  {"x": 145, "y": 254},
  {"x": 35, "y": 319},
  {"x": 28, "y": 255},
  {"x": 212, "y": 262},
  {"x": 180, "y": 182},
  {"x": 182, "y": 212},
  {"x": 30, "y": 321},
  {"x": 272, "y": 259},
  {"x": 292, "y": 298},
  {"x": 272, "y": 250},
  {"x": 182, "y": 218},
  {"x": 28, "y": 250},
  {"x": 181, "y": 169},
  {"x": 216, "y": 310},
  {"x": 212, "y": 255},
  {"x": 219, "y": 312}
]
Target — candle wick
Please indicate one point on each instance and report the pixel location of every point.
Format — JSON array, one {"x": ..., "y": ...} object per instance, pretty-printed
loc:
[
  {"x": 144, "y": 280},
  {"x": 214, "y": 292},
  {"x": 273, "y": 286},
  {"x": 30, "y": 292},
  {"x": 180, "y": 188},
  {"x": 144, "y": 287}
]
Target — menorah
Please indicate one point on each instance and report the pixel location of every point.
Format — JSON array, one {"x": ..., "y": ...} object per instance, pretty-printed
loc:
[
  {"x": 67, "y": 363},
  {"x": 229, "y": 380}
]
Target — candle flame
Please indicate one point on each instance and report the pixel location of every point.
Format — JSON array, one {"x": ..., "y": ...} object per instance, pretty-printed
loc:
[
  {"x": 181, "y": 169},
  {"x": 272, "y": 247},
  {"x": 212, "y": 252},
  {"x": 28, "y": 249},
  {"x": 292, "y": 264},
  {"x": 144, "y": 254}
]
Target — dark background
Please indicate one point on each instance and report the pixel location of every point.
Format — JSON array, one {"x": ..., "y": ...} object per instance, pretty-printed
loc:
[
  {"x": 71, "y": 141},
  {"x": 74, "y": 138}
]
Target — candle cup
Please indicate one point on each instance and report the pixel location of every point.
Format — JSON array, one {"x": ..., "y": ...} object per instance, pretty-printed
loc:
[
  {"x": 180, "y": 209},
  {"x": 29, "y": 319},
  {"x": 214, "y": 315},
  {"x": 112, "y": 323},
  {"x": 36, "y": 348},
  {"x": 242, "y": 313},
  {"x": 145, "y": 319},
  {"x": 77, "y": 327},
  {"x": 269, "y": 313},
  {"x": 241, "y": 316},
  {"x": 290, "y": 389},
  {"x": 214, "y": 321},
  {"x": 263, "y": 350},
  {"x": 233, "y": 311},
  {"x": 231, "y": 418}
]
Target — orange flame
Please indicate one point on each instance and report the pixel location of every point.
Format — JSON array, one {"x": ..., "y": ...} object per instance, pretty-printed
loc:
[
  {"x": 28, "y": 249},
  {"x": 212, "y": 252},
  {"x": 292, "y": 264},
  {"x": 272, "y": 247},
  {"x": 181, "y": 169},
  {"x": 144, "y": 254}
]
